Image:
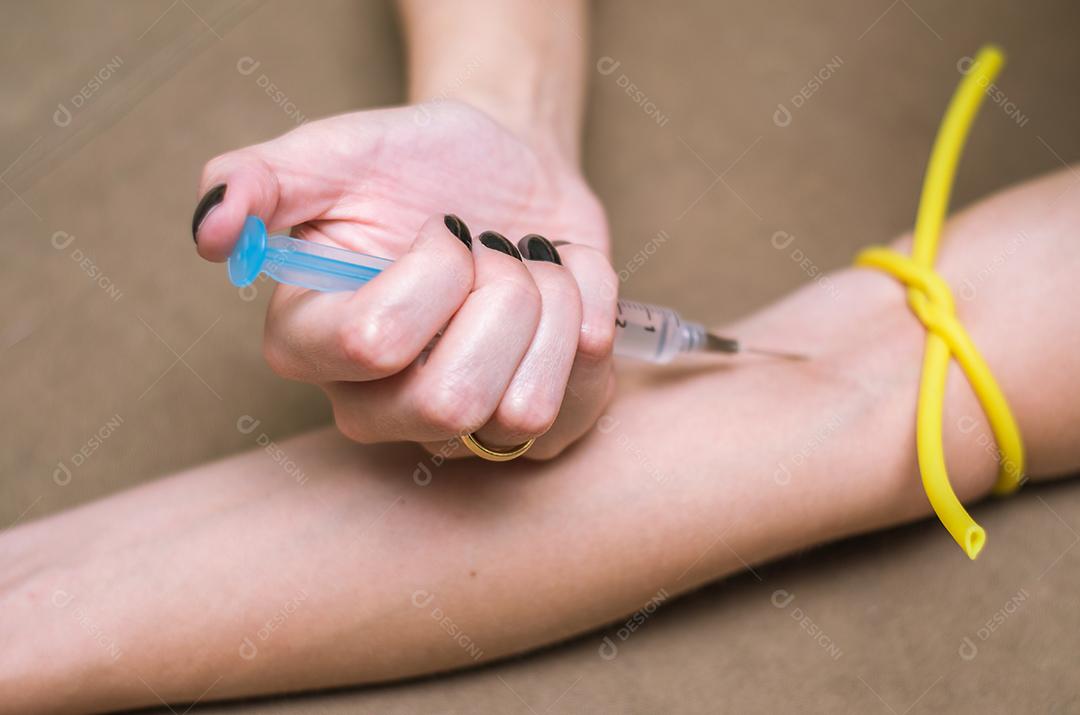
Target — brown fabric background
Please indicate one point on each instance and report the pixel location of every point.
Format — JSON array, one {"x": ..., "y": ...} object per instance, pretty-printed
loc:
[{"x": 120, "y": 178}]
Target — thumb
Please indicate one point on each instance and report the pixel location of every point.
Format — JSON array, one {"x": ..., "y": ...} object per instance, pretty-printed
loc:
[
  {"x": 233, "y": 186},
  {"x": 281, "y": 181}
]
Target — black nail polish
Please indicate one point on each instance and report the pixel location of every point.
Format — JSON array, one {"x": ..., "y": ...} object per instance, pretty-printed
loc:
[
  {"x": 497, "y": 241},
  {"x": 457, "y": 227},
  {"x": 537, "y": 248},
  {"x": 207, "y": 203}
]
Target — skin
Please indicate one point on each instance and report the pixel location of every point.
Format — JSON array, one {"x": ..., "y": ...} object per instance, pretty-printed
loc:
[
  {"x": 236, "y": 578},
  {"x": 492, "y": 136},
  {"x": 713, "y": 457}
]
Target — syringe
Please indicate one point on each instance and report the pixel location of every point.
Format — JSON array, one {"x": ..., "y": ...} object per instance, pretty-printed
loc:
[{"x": 643, "y": 332}]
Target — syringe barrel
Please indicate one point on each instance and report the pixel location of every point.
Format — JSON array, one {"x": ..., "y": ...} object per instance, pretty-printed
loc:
[
  {"x": 318, "y": 266},
  {"x": 654, "y": 333}
]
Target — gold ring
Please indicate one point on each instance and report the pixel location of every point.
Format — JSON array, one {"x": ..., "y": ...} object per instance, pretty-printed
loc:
[{"x": 492, "y": 455}]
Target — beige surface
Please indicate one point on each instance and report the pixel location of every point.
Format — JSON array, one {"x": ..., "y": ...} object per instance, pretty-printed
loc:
[{"x": 120, "y": 179}]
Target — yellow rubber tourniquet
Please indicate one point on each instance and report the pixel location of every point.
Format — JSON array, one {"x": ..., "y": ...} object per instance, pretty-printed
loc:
[{"x": 931, "y": 300}]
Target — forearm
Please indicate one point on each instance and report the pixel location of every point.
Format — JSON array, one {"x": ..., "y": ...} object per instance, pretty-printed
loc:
[
  {"x": 520, "y": 61},
  {"x": 677, "y": 486},
  {"x": 335, "y": 578},
  {"x": 348, "y": 577}
]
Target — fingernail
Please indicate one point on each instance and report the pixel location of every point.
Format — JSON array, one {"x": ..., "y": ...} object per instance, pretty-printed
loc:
[
  {"x": 457, "y": 227},
  {"x": 560, "y": 243},
  {"x": 491, "y": 239},
  {"x": 537, "y": 248},
  {"x": 210, "y": 201}
]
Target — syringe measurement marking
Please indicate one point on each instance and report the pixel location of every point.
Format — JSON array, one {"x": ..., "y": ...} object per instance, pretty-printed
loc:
[{"x": 623, "y": 323}]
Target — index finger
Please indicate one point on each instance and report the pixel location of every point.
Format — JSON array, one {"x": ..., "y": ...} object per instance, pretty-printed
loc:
[{"x": 384, "y": 326}]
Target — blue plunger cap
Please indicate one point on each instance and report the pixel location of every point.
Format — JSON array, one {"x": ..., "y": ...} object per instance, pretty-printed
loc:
[{"x": 249, "y": 253}]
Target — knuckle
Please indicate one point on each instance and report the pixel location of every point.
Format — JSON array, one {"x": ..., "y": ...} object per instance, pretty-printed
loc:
[
  {"x": 451, "y": 410},
  {"x": 374, "y": 345},
  {"x": 596, "y": 340},
  {"x": 527, "y": 416}
]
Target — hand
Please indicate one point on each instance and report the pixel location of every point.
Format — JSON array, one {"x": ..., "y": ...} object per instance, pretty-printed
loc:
[{"x": 526, "y": 349}]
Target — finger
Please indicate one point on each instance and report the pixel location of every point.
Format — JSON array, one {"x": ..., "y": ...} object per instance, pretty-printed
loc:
[
  {"x": 592, "y": 379},
  {"x": 534, "y": 397},
  {"x": 380, "y": 329},
  {"x": 276, "y": 181},
  {"x": 588, "y": 392},
  {"x": 599, "y": 287},
  {"x": 458, "y": 386}
]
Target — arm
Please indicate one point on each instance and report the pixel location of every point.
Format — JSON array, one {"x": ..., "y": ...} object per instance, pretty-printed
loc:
[
  {"x": 522, "y": 62},
  {"x": 236, "y": 577}
]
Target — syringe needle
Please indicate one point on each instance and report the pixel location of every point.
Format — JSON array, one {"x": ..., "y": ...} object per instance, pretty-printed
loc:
[
  {"x": 718, "y": 344},
  {"x": 776, "y": 354}
]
